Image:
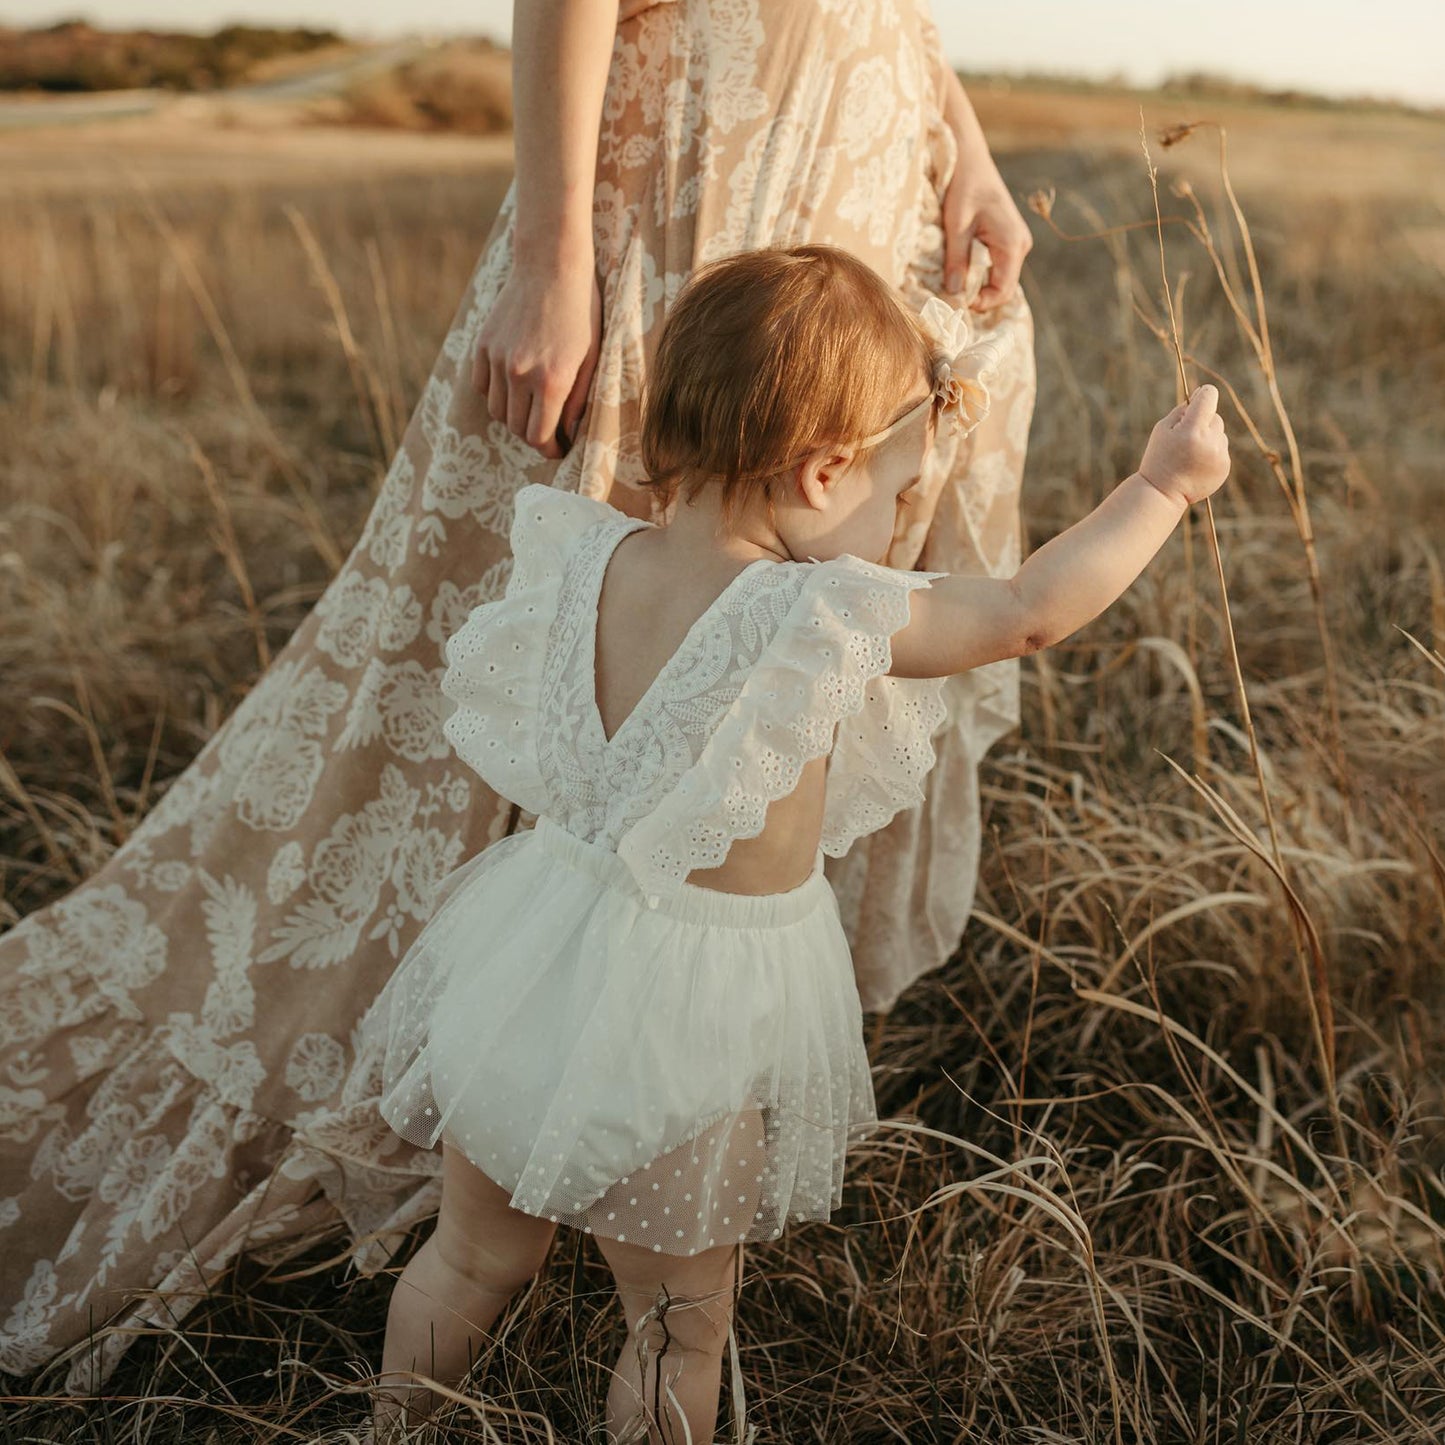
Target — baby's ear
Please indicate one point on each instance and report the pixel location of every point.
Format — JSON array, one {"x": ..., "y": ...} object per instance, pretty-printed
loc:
[
  {"x": 807, "y": 478},
  {"x": 820, "y": 474}
]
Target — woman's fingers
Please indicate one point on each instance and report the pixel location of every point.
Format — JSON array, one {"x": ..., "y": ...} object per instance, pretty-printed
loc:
[
  {"x": 957, "y": 242},
  {"x": 1003, "y": 276},
  {"x": 542, "y": 420},
  {"x": 523, "y": 367},
  {"x": 990, "y": 216},
  {"x": 576, "y": 402},
  {"x": 481, "y": 371},
  {"x": 519, "y": 403},
  {"x": 497, "y": 391},
  {"x": 542, "y": 408},
  {"x": 531, "y": 410},
  {"x": 1009, "y": 241}
]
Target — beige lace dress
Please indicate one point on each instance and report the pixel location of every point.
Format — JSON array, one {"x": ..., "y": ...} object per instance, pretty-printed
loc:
[{"x": 181, "y": 1076}]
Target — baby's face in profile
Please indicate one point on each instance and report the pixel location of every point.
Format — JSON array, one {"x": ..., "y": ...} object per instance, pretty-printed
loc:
[{"x": 845, "y": 506}]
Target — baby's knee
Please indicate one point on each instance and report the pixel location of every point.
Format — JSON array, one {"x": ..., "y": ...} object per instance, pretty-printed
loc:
[
  {"x": 677, "y": 1327},
  {"x": 681, "y": 1316},
  {"x": 685, "y": 1302},
  {"x": 500, "y": 1261}
]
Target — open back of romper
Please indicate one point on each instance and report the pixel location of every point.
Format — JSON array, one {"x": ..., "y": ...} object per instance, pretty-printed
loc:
[{"x": 626, "y": 1052}]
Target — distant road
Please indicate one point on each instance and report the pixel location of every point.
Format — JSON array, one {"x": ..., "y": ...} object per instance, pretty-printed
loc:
[{"x": 117, "y": 104}]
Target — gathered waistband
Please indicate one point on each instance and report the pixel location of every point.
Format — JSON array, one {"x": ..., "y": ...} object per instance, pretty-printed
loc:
[{"x": 690, "y": 902}]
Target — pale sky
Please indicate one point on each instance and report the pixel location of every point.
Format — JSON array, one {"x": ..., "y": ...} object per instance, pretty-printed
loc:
[{"x": 1389, "y": 48}]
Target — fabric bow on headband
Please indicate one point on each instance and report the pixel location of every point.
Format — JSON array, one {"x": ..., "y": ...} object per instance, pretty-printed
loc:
[{"x": 958, "y": 391}]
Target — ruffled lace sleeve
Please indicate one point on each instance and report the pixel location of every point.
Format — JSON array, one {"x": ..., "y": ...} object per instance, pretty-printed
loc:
[
  {"x": 819, "y": 686},
  {"x": 492, "y": 680}
]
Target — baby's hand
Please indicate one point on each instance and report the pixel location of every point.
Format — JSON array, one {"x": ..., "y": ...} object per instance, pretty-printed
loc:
[{"x": 1188, "y": 453}]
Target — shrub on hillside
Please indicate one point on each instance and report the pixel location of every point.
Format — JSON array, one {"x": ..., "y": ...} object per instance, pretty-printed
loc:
[
  {"x": 74, "y": 56},
  {"x": 463, "y": 86}
]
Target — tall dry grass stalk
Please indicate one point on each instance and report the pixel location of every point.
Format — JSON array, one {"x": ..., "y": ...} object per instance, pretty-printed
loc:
[
  {"x": 1124, "y": 1193},
  {"x": 1308, "y": 952}
]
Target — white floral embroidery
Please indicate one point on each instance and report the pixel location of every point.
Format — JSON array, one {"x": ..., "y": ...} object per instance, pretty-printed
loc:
[
  {"x": 133, "y": 1169},
  {"x": 32, "y": 1013},
  {"x": 89, "y": 1054},
  {"x": 424, "y": 860},
  {"x": 869, "y": 205},
  {"x": 28, "y": 1323},
  {"x": 280, "y": 782},
  {"x": 170, "y": 877},
  {"x": 229, "y": 910},
  {"x": 314, "y": 1066},
  {"x": 270, "y": 746},
  {"x": 614, "y": 217},
  {"x": 410, "y": 703},
  {"x": 345, "y": 875},
  {"x": 388, "y": 526},
  {"x": 359, "y": 613},
  {"x": 234, "y": 1070},
  {"x": 634, "y": 293},
  {"x": 401, "y": 704},
  {"x": 104, "y": 933},
  {"x": 868, "y": 107},
  {"x": 857, "y": 19},
  {"x": 460, "y": 479},
  {"x": 23, "y": 1113},
  {"x": 286, "y": 873}
]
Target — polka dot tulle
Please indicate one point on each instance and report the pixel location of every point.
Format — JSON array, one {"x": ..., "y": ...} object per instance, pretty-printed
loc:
[{"x": 679, "y": 1077}]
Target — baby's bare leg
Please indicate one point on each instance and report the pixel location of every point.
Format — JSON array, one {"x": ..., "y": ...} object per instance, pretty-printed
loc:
[
  {"x": 456, "y": 1285},
  {"x": 679, "y": 1307}
]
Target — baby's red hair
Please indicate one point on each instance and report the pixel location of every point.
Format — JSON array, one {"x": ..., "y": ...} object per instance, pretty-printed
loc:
[{"x": 769, "y": 355}]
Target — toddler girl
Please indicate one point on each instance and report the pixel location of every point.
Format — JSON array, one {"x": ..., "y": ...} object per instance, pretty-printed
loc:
[{"x": 638, "y": 1018}]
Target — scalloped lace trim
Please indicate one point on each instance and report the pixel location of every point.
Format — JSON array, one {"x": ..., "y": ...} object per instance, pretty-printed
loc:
[
  {"x": 815, "y": 672},
  {"x": 493, "y": 672}
]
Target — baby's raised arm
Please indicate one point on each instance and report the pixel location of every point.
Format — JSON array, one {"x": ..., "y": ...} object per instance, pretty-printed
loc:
[{"x": 960, "y": 622}]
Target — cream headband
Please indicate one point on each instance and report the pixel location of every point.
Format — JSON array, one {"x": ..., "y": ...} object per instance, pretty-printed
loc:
[{"x": 958, "y": 391}]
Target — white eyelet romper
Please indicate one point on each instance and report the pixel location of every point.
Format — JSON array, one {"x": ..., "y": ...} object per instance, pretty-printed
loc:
[{"x": 626, "y": 1052}]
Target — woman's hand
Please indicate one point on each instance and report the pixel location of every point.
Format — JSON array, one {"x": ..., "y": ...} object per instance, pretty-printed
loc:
[
  {"x": 537, "y": 350},
  {"x": 977, "y": 206}
]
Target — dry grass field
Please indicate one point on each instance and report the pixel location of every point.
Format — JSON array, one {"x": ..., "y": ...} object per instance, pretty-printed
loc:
[{"x": 1166, "y": 1143}]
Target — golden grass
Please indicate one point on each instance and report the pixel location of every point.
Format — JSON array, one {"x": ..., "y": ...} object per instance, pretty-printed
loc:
[{"x": 1123, "y": 1198}]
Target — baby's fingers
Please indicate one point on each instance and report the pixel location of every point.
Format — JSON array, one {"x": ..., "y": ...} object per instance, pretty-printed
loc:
[{"x": 1203, "y": 404}]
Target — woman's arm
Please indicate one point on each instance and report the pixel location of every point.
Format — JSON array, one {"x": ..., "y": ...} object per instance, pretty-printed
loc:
[
  {"x": 977, "y": 204},
  {"x": 962, "y": 622},
  {"x": 561, "y": 51},
  {"x": 537, "y": 349}
]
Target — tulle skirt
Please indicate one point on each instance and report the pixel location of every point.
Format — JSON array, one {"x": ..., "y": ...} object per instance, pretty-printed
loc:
[{"x": 681, "y": 1075}]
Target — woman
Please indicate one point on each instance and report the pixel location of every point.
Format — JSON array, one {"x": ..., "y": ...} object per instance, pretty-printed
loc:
[{"x": 179, "y": 1077}]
